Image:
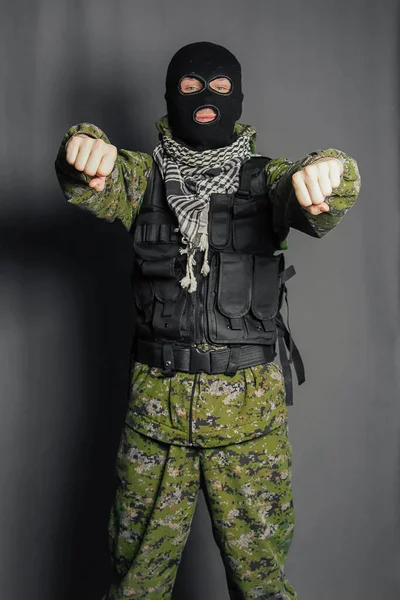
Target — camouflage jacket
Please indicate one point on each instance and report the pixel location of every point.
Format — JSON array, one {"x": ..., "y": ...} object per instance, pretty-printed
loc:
[{"x": 201, "y": 409}]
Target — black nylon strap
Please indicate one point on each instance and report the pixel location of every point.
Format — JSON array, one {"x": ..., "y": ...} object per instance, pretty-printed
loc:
[
  {"x": 285, "y": 337},
  {"x": 248, "y": 168},
  {"x": 290, "y": 347},
  {"x": 287, "y": 372},
  {"x": 234, "y": 361},
  {"x": 296, "y": 357},
  {"x": 287, "y": 273},
  {"x": 293, "y": 350}
]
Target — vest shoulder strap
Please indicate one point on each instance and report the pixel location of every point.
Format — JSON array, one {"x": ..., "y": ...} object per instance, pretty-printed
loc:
[
  {"x": 153, "y": 198},
  {"x": 249, "y": 168}
]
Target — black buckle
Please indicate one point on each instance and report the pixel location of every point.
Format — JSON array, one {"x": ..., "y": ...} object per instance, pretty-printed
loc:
[
  {"x": 200, "y": 361},
  {"x": 168, "y": 360}
]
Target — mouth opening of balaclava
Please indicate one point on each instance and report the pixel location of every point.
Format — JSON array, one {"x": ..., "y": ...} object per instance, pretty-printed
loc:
[{"x": 204, "y": 61}]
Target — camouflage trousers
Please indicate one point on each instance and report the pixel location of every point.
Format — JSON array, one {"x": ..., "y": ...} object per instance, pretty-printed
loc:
[{"x": 247, "y": 488}]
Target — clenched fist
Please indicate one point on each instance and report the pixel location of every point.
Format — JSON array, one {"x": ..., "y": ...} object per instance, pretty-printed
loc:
[
  {"x": 92, "y": 156},
  {"x": 315, "y": 182}
]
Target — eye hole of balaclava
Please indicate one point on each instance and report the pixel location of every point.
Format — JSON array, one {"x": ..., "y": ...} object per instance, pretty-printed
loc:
[
  {"x": 204, "y": 95},
  {"x": 189, "y": 84}
]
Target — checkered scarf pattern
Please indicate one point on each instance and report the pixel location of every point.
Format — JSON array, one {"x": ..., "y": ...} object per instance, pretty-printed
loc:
[{"x": 190, "y": 177}]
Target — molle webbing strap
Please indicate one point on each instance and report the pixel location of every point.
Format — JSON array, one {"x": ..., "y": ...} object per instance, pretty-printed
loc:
[
  {"x": 287, "y": 273},
  {"x": 284, "y": 337},
  {"x": 287, "y": 373}
]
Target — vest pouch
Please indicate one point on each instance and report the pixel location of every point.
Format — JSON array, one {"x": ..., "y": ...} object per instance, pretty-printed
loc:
[
  {"x": 267, "y": 290},
  {"x": 243, "y": 298},
  {"x": 229, "y": 298},
  {"x": 220, "y": 220},
  {"x": 147, "y": 276},
  {"x": 159, "y": 296},
  {"x": 234, "y": 293},
  {"x": 170, "y": 301},
  {"x": 169, "y": 306},
  {"x": 250, "y": 224}
]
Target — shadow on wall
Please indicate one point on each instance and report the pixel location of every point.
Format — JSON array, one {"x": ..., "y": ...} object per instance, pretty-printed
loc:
[{"x": 66, "y": 295}]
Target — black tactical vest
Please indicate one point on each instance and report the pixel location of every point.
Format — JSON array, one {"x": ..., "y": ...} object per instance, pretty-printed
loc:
[{"x": 238, "y": 303}]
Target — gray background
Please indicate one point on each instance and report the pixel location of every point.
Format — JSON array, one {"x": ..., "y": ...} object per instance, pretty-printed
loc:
[{"x": 316, "y": 75}]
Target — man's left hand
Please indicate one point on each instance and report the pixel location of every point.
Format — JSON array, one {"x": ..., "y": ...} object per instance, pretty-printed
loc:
[{"x": 315, "y": 182}]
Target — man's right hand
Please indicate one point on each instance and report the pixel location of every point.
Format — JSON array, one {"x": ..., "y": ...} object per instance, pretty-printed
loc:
[{"x": 92, "y": 156}]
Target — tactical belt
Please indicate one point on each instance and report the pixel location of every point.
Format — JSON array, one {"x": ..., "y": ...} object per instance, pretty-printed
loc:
[{"x": 174, "y": 358}]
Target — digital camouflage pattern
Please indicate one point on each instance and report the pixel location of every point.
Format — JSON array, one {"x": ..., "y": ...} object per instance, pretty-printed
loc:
[
  {"x": 247, "y": 488},
  {"x": 227, "y": 435},
  {"x": 207, "y": 409}
]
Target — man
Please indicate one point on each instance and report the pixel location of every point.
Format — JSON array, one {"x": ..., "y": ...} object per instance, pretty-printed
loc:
[{"x": 208, "y": 403}]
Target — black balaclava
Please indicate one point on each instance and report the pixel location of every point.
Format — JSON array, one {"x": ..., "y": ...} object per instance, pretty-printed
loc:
[{"x": 205, "y": 61}]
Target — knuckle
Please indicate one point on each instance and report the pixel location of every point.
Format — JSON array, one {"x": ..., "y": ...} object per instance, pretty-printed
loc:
[
  {"x": 97, "y": 143},
  {"x": 296, "y": 177},
  {"x": 72, "y": 142},
  {"x": 310, "y": 170}
]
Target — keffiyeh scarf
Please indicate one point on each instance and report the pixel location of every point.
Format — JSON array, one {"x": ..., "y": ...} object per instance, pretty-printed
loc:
[{"x": 190, "y": 177}]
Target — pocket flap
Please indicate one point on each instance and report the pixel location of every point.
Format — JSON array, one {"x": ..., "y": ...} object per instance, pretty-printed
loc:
[
  {"x": 234, "y": 290},
  {"x": 220, "y": 220}
]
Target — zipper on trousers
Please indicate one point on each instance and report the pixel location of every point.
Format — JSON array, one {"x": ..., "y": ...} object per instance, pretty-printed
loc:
[{"x": 191, "y": 408}]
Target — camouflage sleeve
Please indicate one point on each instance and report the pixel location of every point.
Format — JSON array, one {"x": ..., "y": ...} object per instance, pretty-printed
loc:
[
  {"x": 124, "y": 187},
  {"x": 288, "y": 212}
]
